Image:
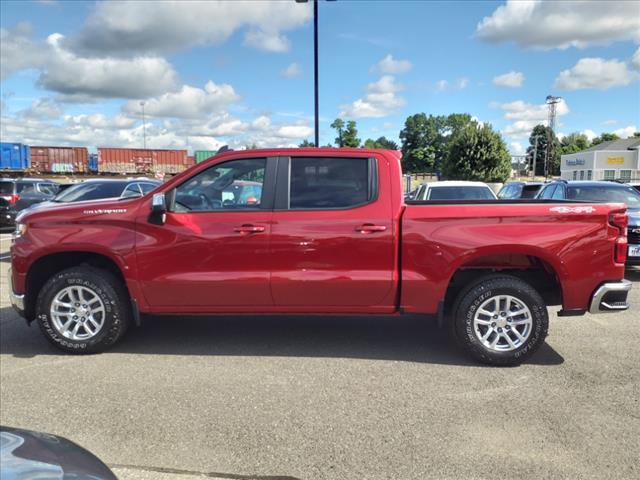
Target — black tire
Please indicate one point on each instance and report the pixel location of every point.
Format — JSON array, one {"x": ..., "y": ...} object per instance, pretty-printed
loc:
[
  {"x": 470, "y": 300},
  {"x": 114, "y": 298}
]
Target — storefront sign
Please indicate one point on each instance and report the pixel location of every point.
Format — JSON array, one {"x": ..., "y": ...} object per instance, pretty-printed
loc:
[
  {"x": 575, "y": 161},
  {"x": 615, "y": 160}
]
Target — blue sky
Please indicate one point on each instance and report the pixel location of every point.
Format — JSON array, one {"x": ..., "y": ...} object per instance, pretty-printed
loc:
[{"x": 241, "y": 72}]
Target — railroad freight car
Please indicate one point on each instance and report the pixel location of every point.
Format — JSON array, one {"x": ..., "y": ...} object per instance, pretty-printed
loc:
[
  {"x": 138, "y": 160},
  {"x": 59, "y": 159},
  {"x": 14, "y": 156},
  {"x": 202, "y": 155},
  {"x": 92, "y": 165}
]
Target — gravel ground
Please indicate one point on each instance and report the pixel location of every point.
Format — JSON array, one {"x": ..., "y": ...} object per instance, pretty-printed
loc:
[{"x": 332, "y": 398}]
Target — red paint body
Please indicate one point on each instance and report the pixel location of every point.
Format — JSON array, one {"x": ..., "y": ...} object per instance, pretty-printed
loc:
[{"x": 384, "y": 257}]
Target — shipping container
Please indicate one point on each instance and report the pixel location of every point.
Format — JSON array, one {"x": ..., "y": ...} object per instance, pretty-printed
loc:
[
  {"x": 14, "y": 156},
  {"x": 59, "y": 159},
  {"x": 92, "y": 165},
  {"x": 202, "y": 155},
  {"x": 132, "y": 160},
  {"x": 191, "y": 161}
]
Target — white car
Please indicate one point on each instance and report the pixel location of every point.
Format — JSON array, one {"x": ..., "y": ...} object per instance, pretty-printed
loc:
[{"x": 455, "y": 190}]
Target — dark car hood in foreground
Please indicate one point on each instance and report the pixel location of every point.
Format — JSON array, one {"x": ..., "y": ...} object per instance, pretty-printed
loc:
[{"x": 27, "y": 455}]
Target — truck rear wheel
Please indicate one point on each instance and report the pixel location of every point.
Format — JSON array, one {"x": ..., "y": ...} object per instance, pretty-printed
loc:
[
  {"x": 83, "y": 310},
  {"x": 500, "y": 320}
]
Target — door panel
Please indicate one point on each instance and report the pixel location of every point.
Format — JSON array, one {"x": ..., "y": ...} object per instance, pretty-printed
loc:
[
  {"x": 340, "y": 257},
  {"x": 213, "y": 249},
  {"x": 199, "y": 259}
]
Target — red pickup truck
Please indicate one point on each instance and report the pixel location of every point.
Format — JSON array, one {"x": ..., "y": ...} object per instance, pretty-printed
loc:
[{"x": 316, "y": 231}]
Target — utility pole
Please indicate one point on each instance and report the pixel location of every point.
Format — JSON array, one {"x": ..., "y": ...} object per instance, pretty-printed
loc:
[
  {"x": 551, "y": 102},
  {"x": 144, "y": 127}
]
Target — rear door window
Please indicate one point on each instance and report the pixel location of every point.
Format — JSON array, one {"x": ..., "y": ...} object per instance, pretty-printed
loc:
[
  {"x": 330, "y": 183},
  {"x": 6, "y": 188},
  {"x": 548, "y": 191}
]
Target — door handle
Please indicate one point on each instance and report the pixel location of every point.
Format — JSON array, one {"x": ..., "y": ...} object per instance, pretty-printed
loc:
[
  {"x": 249, "y": 229},
  {"x": 370, "y": 228}
]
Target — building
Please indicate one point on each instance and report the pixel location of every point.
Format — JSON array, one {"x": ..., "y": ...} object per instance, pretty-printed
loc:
[{"x": 614, "y": 160}]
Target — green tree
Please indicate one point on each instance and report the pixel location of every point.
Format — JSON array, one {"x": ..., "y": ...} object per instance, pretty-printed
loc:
[
  {"x": 477, "y": 152},
  {"x": 574, "y": 142},
  {"x": 636, "y": 134},
  {"x": 425, "y": 139},
  {"x": 381, "y": 142},
  {"x": 538, "y": 142},
  {"x": 347, "y": 134},
  {"x": 306, "y": 143},
  {"x": 605, "y": 137}
]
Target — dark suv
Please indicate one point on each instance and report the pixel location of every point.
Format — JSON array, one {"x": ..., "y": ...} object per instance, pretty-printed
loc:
[
  {"x": 591, "y": 191},
  {"x": 21, "y": 193},
  {"x": 515, "y": 190}
]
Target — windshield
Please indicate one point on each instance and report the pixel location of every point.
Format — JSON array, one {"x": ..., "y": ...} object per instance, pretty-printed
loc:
[
  {"x": 91, "y": 191},
  {"x": 627, "y": 195},
  {"x": 460, "y": 193}
]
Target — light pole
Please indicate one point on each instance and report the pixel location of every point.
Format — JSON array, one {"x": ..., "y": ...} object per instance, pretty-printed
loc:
[
  {"x": 315, "y": 69},
  {"x": 144, "y": 127}
]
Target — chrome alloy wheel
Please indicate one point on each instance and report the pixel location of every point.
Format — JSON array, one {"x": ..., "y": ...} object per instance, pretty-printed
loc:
[
  {"x": 77, "y": 313},
  {"x": 503, "y": 323}
]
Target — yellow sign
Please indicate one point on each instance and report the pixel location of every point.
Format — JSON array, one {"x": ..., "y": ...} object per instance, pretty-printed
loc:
[{"x": 615, "y": 160}]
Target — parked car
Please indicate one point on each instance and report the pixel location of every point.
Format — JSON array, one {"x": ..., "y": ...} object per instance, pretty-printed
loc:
[
  {"x": 514, "y": 190},
  {"x": 603, "y": 191},
  {"x": 455, "y": 190},
  {"x": 101, "y": 189},
  {"x": 29, "y": 455},
  {"x": 7, "y": 215},
  {"x": 22, "y": 193},
  {"x": 330, "y": 234}
]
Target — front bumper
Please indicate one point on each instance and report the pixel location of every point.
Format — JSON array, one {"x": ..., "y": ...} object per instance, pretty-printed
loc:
[
  {"x": 17, "y": 300},
  {"x": 610, "y": 297}
]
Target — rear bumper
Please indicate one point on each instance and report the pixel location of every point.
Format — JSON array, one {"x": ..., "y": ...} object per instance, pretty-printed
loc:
[
  {"x": 610, "y": 297},
  {"x": 17, "y": 300}
]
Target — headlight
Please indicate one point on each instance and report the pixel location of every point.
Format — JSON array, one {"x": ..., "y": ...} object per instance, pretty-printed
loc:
[{"x": 21, "y": 229}]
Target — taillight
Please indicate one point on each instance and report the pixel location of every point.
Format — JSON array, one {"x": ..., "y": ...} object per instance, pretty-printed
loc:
[
  {"x": 12, "y": 199},
  {"x": 620, "y": 252},
  {"x": 620, "y": 220}
]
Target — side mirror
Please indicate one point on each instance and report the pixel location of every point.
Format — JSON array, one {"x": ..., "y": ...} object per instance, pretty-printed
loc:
[{"x": 158, "y": 209}]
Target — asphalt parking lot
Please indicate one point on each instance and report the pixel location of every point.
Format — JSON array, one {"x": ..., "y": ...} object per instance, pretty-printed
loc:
[{"x": 332, "y": 398}]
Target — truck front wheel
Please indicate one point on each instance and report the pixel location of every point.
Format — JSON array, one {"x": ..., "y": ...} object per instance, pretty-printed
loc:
[
  {"x": 500, "y": 320},
  {"x": 83, "y": 310}
]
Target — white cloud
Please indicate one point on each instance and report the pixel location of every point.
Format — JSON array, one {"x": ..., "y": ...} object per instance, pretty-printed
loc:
[
  {"x": 389, "y": 65},
  {"x": 380, "y": 100},
  {"x": 294, "y": 131},
  {"x": 101, "y": 121},
  {"x": 590, "y": 134},
  {"x": 66, "y": 73},
  {"x": 511, "y": 80},
  {"x": 18, "y": 51},
  {"x": 83, "y": 78},
  {"x": 516, "y": 148},
  {"x": 458, "y": 84},
  {"x": 610, "y": 122},
  {"x": 524, "y": 116},
  {"x": 133, "y": 27},
  {"x": 595, "y": 73},
  {"x": 635, "y": 60},
  {"x": 42, "y": 108},
  {"x": 626, "y": 132},
  {"x": 269, "y": 41},
  {"x": 562, "y": 24},
  {"x": 293, "y": 70},
  {"x": 188, "y": 102}
]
